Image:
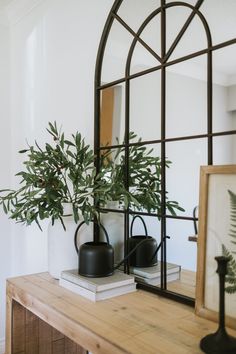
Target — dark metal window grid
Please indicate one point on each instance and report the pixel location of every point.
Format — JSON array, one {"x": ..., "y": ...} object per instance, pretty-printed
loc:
[{"x": 163, "y": 64}]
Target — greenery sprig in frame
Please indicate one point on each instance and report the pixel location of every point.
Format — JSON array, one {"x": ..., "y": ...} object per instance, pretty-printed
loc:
[{"x": 230, "y": 278}]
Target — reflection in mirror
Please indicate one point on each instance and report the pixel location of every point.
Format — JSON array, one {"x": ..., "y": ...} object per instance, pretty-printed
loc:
[
  {"x": 182, "y": 178},
  {"x": 146, "y": 275},
  {"x": 220, "y": 15},
  {"x": 142, "y": 59},
  {"x": 112, "y": 115},
  {"x": 145, "y": 180},
  {"x": 175, "y": 18},
  {"x": 134, "y": 12},
  {"x": 154, "y": 26},
  {"x": 182, "y": 257},
  {"x": 224, "y": 150},
  {"x": 186, "y": 111},
  {"x": 186, "y": 98},
  {"x": 195, "y": 30},
  {"x": 224, "y": 89},
  {"x": 116, "y": 51},
  {"x": 145, "y": 106}
]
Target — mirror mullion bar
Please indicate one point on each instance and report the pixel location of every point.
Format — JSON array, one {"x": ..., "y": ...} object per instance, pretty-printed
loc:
[
  {"x": 132, "y": 212},
  {"x": 163, "y": 147},
  {"x": 182, "y": 31},
  {"x": 173, "y": 62},
  {"x": 178, "y": 138},
  {"x": 209, "y": 109},
  {"x": 126, "y": 181},
  {"x": 149, "y": 49}
]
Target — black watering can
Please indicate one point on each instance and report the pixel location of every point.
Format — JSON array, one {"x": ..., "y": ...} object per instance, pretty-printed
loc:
[
  {"x": 96, "y": 259},
  {"x": 143, "y": 248}
]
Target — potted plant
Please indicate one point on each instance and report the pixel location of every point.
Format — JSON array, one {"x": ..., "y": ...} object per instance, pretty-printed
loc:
[
  {"x": 60, "y": 174},
  {"x": 63, "y": 173}
]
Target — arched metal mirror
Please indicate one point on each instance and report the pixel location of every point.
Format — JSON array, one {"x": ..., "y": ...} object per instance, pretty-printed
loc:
[{"x": 166, "y": 70}]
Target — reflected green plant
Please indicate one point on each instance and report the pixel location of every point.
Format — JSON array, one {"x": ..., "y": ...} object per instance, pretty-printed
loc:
[{"x": 144, "y": 178}]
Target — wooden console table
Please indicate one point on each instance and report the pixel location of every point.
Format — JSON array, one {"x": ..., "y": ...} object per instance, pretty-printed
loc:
[{"x": 137, "y": 323}]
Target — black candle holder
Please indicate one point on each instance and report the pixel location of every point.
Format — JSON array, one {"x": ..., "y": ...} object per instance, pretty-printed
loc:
[{"x": 220, "y": 342}]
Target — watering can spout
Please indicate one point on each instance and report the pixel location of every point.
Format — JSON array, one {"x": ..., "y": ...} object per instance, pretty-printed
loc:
[{"x": 159, "y": 246}]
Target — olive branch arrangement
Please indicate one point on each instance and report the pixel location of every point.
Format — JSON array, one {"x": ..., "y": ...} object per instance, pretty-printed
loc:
[
  {"x": 61, "y": 172},
  {"x": 230, "y": 278},
  {"x": 64, "y": 172}
]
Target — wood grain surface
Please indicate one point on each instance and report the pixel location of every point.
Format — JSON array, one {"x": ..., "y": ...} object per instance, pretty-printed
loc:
[{"x": 135, "y": 323}]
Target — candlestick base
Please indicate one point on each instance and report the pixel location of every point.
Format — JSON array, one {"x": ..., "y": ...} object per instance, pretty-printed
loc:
[{"x": 218, "y": 343}]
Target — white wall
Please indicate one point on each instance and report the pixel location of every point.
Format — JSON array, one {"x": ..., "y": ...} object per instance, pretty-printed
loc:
[
  {"x": 5, "y": 151},
  {"x": 53, "y": 53}
]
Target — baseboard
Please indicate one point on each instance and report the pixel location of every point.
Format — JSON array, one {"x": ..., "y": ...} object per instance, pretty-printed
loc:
[{"x": 2, "y": 346}]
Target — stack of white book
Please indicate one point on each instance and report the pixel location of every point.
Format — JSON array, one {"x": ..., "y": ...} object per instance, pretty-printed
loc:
[
  {"x": 97, "y": 289},
  {"x": 152, "y": 275}
]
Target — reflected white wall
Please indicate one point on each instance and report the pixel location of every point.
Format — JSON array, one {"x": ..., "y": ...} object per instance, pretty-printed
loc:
[{"x": 186, "y": 102}]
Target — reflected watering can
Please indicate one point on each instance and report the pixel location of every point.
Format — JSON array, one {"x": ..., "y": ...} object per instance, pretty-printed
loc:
[
  {"x": 145, "y": 254},
  {"x": 143, "y": 249},
  {"x": 96, "y": 259}
]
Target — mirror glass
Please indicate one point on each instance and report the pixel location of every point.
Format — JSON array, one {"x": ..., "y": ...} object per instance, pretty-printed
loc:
[
  {"x": 182, "y": 177},
  {"x": 112, "y": 115},
  {"x": 186, "y": 44},
  {"x": 145, "y": 106},
  {"x": 142, "y": 59},
  {"x": 220, "y": 16},
  {"x": 116, "y": 51},
  {"x": 186, "y": 113},
  {"x": 180, "y": 15},
  {"x": 186, "y": 98},
  {"x": 224, "y": 88},
  {"x": 134, "y": 12},
  {"x": 181, "y": 257},
  {"x": 224, "y": 150}
]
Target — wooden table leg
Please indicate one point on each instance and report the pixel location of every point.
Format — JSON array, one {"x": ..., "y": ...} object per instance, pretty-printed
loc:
[{"x": 8, "y": 338}]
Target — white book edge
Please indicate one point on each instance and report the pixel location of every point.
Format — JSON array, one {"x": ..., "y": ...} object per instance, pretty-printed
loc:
[
  {"x": 157, "y": 280},
  {"x": 97, "y": 296},
  {"x": 87, "y": 283},
  {"x": 145, "y": 274}
]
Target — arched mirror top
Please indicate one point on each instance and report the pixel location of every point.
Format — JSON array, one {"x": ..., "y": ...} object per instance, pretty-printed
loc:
[
  {"x": 166, "y": 71},
  {"x": 116, "y": 24},
  {"x": 123, "y": 34}
]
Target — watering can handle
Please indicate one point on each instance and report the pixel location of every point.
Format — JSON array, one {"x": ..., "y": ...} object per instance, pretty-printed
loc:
[
  {"x": 144, "y": 225},
  {"x": 79, "y": 226},
  {"x": 195, "y": 222}
]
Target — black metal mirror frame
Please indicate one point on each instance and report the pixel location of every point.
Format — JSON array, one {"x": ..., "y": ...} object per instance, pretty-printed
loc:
[{"x": 163, "y": 64}]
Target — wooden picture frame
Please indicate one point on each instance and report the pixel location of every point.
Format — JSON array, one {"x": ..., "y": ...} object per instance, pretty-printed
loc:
[{"x": 214, "y": 226}]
